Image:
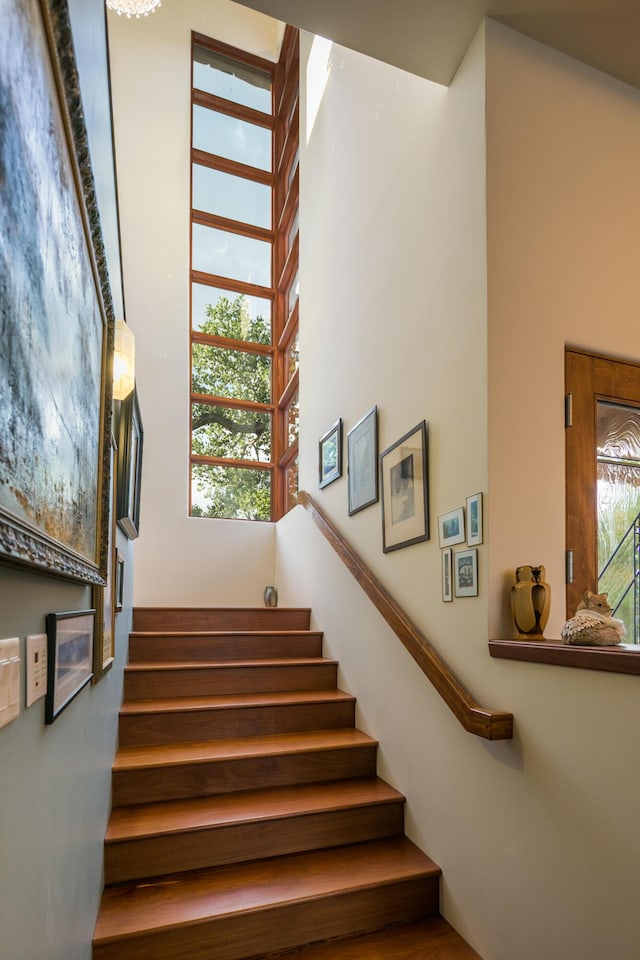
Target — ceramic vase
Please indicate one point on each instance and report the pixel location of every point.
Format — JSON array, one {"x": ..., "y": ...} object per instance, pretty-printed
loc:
[{"x": 530, "y": 601}]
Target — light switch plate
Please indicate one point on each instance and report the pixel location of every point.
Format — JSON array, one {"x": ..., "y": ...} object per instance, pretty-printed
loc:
[
  {"x": 36, "y": 667},
  {"x": 9, "y": 680}
]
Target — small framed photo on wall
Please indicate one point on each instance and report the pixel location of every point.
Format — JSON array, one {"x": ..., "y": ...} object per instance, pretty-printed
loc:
[
  {"x": 447, "y": 575},
  {"x": 465, "y": 573},
  {"x": 474, "y": 519},
  {"x": 330, "y": 455}
]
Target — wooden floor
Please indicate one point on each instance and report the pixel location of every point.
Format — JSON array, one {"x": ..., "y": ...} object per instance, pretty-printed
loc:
[{"x": 248, "y": 819}]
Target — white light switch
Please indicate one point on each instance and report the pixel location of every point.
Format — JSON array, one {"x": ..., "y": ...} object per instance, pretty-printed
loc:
[
  {"x": 36, "y": 667},
  {"x": 9, "y": 680}
]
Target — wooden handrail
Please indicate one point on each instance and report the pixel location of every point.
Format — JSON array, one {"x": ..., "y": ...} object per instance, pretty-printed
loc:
[{"x": 475, "y": 719}]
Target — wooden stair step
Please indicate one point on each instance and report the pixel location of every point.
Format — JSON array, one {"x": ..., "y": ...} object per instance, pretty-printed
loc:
[
  {"x": 223, "y": 645},
  {"x": 430, "y": 939},
  {"x": 143, "y": 681},
  {"x": 142, "y": 774},
  {"x": 179, "y": 835},
  {"x": 239, "y": 911},
  {"x": 221, "y": 618},
  {"x": 180, "y": 719}
]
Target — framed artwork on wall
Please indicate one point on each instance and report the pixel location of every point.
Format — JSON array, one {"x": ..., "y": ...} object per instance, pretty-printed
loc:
[
  {"x": 330, "y": 455},
  {"x": 474, "y": 519},
  {"x": 69, "y": 658},
  {"x": 447, "y": 575},
  {"x": 451, "y": 527},
  {"x": 362, "y": 462},
  {"x": 131, "y": 435},
  {"x": 465, "y": 573},
  {"x": 56, "y": 312},
  {"x": 405, "y": 490}
]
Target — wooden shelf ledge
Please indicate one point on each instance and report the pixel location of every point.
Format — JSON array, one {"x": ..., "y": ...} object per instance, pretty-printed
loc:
[{"x": 624, "y": 658}]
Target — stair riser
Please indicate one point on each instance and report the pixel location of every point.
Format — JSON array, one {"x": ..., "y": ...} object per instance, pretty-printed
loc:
[
  {"x": 234, "y": 618},
  {"x": 208, "y": 778},
  {"x": 202, "y": 681},
  {"x": 169, "y": 649},
  {"x": 217, "y": 724},
  {"x": 153, "y": 856},
  {"x": 250, "y": 934}
]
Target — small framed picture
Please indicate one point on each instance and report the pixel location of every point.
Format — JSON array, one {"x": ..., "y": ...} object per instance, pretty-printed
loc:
[
  {"x": 465, "y": 573},
  {"x": 119, "y": 581},
  {"x": 447, "y": 576},
  {"x": 405, "y": 490},
  {"x": 69, "y": 658},
  {"x": 451, "y": 527},
  {"x": 362, "y": 462},
  {"x": 330, "y": 455},
  {"x": 474, "y": 519},
  {"x": 130, "y": 466}
]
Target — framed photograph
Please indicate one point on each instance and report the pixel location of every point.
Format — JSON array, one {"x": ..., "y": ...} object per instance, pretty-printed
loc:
[
  {"x": 447, "y": 575},
  {"x": 69, "y": 658},
  {"x": 465, "y": 573},
  {"x": 119, "y": 588},
  {"x": 405, "y": 490},
  {"x": 130, "y": 440},
  {"x": 451, "y": 527},
  {"x": 362, "y": 462},
  {"x": 330, "y": 455},
  {"x": 474, "y": 519},
  {"x": 104, "y": 597},
  {"x": 56, "y": 312}
]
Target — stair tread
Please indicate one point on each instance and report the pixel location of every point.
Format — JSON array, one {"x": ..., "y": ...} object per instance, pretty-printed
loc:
[
  {"x": 154, "y": 755},
  {"x": 134, "y": 908},
  {"x": 423, "y": 940},
  {"x": 141, "y": 665},
  {"x": 179, "y": 816},
  {"x": 224, "y": 701},
  {"x": 226, "y": 633}
]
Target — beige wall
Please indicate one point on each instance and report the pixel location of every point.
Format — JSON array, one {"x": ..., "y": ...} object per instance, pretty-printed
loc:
[
  {"x": 537, "y": 837},
  {"x": 563, "y": 153},
  {"x": 179, "y": 560}
]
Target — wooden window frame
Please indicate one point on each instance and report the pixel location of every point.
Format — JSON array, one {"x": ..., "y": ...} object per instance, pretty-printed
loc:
[{"x": 283, "y": 122}]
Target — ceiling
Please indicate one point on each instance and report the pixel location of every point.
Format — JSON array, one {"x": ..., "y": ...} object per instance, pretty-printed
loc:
[{"x": 430, "y": 37}]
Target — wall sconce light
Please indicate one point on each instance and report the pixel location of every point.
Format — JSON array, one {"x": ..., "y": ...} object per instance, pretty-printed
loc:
[{"x": 124, "y": 361}]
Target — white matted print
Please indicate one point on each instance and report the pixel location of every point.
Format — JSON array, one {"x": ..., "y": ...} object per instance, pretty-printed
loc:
[
  {"x": 465, "y": 573},
  {"x": 474, "y": 519},
  {"x": 447, "y": 576},
  {"x": 405, "y": 490},
  {"x": 451, "y": 527}
]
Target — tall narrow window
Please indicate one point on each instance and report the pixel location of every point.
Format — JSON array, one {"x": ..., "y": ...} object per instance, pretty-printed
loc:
[{"x": 242, "y": 458}]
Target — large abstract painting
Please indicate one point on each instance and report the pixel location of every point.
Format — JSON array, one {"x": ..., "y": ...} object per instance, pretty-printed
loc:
[{"x": 56, "y": 318}]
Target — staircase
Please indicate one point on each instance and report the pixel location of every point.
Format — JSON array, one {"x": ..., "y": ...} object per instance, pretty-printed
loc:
[{"x": 247, "y": 816}]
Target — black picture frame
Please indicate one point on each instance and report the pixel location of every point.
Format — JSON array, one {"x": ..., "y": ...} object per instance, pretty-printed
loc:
[
  {"x": 465, "y": 573},
  {"x": 70, "y": 639},
  {"x": 330, "y": 455},
  {"x": 404, "y": 473},
  {"x": 56, "y": 311},
  {"x": 130, "y": 442},
  {"x": 119, "y": 588},
  {"x": 362, "y": 462}
]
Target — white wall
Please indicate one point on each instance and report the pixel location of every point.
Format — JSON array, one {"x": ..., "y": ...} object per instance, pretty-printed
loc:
[
  {"x": 179, "y": 560},
  {"x": 537, "y": 837},
  {"x": 393, "y": 280}
]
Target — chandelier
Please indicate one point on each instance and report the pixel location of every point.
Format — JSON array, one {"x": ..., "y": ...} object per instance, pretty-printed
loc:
[{"x": 133, "y": 8}]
